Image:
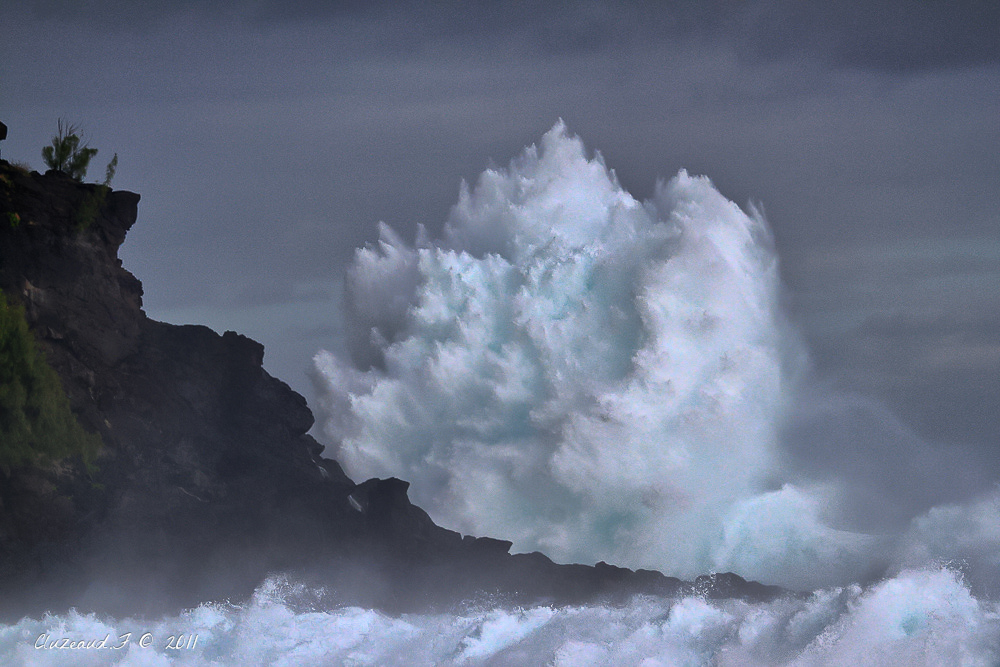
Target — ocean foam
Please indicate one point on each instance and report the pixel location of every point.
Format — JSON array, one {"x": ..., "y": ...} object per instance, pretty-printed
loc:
[{"x": 920, "y": 617}]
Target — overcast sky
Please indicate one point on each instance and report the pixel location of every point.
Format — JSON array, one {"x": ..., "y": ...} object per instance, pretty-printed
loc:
[{"x": 268, "y": 141}]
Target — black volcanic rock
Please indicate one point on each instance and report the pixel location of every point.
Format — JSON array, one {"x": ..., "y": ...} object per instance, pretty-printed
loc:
[
  {"x": 724, "y": 585},
  {"x": 208, "y": 480}
]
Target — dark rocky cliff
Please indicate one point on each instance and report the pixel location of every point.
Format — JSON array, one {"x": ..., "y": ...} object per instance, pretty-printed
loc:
[{"x": 208, "y": 481}]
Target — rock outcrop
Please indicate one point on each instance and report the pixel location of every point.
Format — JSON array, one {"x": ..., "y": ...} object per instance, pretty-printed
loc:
[{"x": 208, "y": 481}]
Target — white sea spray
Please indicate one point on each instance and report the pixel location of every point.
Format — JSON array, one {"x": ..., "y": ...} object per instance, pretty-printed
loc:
[
  {"x": 600, "y": 378},
  {"x": 570, "y": 368},
  {"x": 919, "y": 617}
]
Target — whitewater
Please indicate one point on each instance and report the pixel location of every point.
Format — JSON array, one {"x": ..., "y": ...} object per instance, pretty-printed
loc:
[
  {"x": 916, "y": 618},
  {"x": 602, "y": 378}
]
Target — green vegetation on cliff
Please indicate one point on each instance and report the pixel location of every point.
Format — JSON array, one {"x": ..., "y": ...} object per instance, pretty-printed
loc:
[
  {"x": 92, "y": 203},
  {"x": 36, "y": 423},
  {"x": 66, "y": 154}
]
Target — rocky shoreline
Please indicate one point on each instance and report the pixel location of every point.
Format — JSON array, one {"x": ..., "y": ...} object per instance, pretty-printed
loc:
[{"x": 208, "y": 480}]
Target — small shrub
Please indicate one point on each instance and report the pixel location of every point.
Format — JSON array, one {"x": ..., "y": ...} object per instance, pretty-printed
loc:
[
  {"x": 109, "y": 172},
  {"x": 66, "y": 154}
]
